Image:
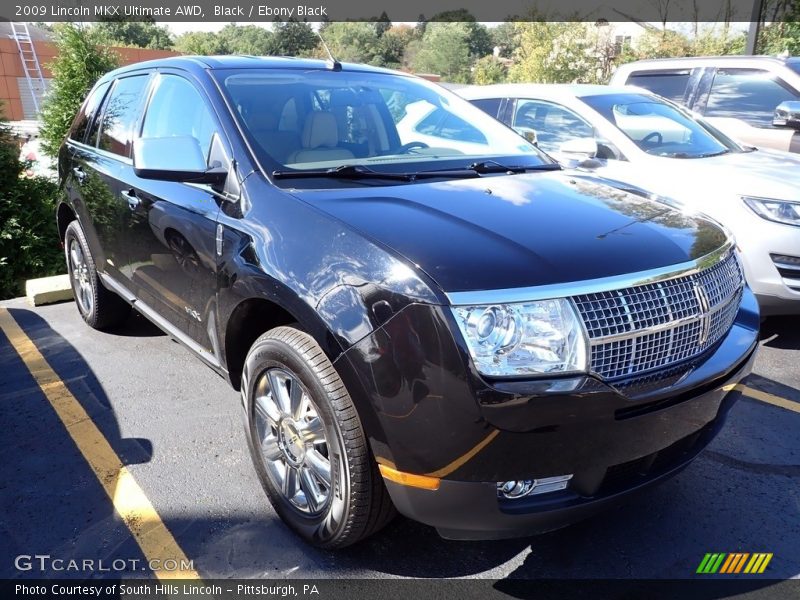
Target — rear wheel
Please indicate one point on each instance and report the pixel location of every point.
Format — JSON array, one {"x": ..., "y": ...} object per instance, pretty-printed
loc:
[
  {"x": 98, "y": 306},
  {"x": 307, "y": 444}
]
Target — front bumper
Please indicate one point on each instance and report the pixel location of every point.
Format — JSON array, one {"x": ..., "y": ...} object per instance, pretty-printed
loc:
[
  {"x": 778, "y": 292},
  {"x": 427, "y": 412},
  {"x": 472, "y": 510}
]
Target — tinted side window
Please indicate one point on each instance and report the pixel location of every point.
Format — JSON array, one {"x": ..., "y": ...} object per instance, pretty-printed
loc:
[
  {"x": 121, "y": 113},
  {"x": 553, "y": 124},
  {"x": 444, "y": 124},
  {"x": 177, "y": 109},
  {"x": 491, "y": 106},
  {"x": 747, "y": 94},
  {"x": 669, "y": 84},
  {"x": 88, "y": 113}
]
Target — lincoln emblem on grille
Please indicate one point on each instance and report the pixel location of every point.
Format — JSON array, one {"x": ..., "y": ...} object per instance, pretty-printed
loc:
[{"x": 705, "y": 316}]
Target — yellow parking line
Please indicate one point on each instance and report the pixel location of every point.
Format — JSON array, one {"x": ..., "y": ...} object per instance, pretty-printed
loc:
[
  {"x": 133, "y": 506},
  {"x": 764, "y": 397}
]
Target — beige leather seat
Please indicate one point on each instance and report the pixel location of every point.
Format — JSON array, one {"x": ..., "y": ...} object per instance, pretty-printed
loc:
[
  {"x": 319, "y": 140},
  {"x": 278, "y": 144}
]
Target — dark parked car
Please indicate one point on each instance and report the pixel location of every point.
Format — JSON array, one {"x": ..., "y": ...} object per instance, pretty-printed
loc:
[{"x": 485, "y": 343}]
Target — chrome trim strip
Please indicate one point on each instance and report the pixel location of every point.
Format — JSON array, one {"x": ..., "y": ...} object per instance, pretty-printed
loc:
[
  {"x": 589, "y": 286},
  {"x": 635, "y": 333},
  {"x": 792, "y": 283},
  {"x": 161, "y": 322},
  {"x": 786, "y": 266}
]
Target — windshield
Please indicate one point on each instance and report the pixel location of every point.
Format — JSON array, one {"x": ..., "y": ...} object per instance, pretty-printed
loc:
[
  {"x": 660, "y": 128},
  {"x": 311, "y": 120},
  {"x": 794, "y": 64}
]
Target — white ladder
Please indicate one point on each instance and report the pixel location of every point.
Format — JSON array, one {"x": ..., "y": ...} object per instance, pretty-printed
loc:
[{"x": 30, "y": 62}]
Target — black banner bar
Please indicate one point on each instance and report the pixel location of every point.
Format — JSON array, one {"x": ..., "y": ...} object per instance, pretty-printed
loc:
[
  {"x": 407, "y": 11},
  {"x": 418, "y": 589}
]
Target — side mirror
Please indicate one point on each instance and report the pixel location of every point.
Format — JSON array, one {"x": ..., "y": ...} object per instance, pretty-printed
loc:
[
  {"x": 579, "y": 148},
  {"x": 176, "y": 158},
  {"x": 787, "y": 114},
  {"x": 528, "y": 133}
]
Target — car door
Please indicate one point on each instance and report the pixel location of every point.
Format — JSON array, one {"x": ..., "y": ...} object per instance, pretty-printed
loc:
[
  {"x": 741, "y": 102},
  {"x": 172, "y": 236},
  {"x": 100, "y": 167}
]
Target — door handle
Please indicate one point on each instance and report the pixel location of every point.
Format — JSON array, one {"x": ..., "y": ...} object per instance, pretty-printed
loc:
[
  {"x": 131, "y": 198},
  {"x": 79, "y": 174}
]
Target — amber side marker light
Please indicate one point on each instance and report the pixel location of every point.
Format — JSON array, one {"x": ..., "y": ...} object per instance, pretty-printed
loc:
[{"x": 409, "y": 479}]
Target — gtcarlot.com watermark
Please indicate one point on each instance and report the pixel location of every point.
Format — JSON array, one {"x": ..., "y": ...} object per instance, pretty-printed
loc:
[{"x": 49, "y": 564}]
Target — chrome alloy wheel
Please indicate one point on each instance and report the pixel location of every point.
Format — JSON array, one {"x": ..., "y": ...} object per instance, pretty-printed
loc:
[
  {"x": 79, "y": 270},
  {"x": 293, "y": 441}
]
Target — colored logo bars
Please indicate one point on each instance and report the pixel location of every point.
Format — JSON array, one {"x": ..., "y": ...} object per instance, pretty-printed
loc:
[{"x": 734, "y": 563}]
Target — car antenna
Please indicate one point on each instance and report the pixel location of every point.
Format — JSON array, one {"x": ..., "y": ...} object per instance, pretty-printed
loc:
[{"x": 333, "y": 64}]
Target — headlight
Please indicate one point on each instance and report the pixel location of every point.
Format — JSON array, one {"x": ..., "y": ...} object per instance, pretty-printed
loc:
[
  {"x": 525, "y": 338},
  {"x": 780, "y": 211}
]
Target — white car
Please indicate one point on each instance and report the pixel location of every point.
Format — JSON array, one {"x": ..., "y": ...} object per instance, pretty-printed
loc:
[
  {"x": 636, "y": 137},
  {"x": 433, "y": 128}
]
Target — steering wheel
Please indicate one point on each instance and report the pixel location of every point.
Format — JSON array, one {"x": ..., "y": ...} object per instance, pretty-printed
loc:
[
  {"x": 406, "y": 148},
  {"x": 654, "y": 135}
]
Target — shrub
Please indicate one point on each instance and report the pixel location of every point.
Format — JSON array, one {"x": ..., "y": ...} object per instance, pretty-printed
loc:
[{"x": 29, "y": 245}]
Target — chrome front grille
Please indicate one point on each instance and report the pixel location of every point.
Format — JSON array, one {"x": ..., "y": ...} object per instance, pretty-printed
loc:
[{"x": 651, "y": 326}]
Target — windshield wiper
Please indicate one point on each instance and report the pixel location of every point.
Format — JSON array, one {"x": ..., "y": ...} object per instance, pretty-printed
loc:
[
  {"x": 709, "y": 154},
  {"x": 361, "y": 172},
  {"x": 344, "y": 172},
  {"x": 492, "y": 166},
  {"x": 688, "y": 155}
]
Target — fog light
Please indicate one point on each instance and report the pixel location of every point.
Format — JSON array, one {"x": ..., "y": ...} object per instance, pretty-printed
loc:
[{"x": 532, "y": 487}]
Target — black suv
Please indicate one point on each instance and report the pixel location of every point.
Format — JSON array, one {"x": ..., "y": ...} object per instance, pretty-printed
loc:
[{"x": 420, "y": 310}]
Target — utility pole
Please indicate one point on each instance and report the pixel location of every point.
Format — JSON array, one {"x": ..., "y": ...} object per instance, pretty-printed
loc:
[{"x": 755, "y": 25}]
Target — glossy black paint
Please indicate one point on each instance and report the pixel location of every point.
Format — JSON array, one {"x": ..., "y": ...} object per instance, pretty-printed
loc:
[{"x": 365, "y": 270}]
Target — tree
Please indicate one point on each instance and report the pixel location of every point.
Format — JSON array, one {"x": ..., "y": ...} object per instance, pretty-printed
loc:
[
  {"x": 246, "y": 39},
  {"x": 780, "y": 38},
  {"x": 662, "y": 44},
  {"x": 479, "y": 39},
  {"x": 354, "y": 41},
  {"x": 445, "y": 51},
  {"x": 201, "y": 42},
  {"x": 140, "y": 34},
  {"x": 505, "y": 36},
  {"x": 488, "y": 70},
  {"x": 782, "y": 34},
  {"x": 394, "y": 46},
  {"x": 80, "y": 61},
  {"x": 294, "y": 38}
]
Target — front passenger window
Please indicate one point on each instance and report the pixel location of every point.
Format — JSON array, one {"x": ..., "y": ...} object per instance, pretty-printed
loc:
[
  {"x": 747, "y": 94},
  {"x": 178, "y": 109},
  {"x": 120, "y": 115}
]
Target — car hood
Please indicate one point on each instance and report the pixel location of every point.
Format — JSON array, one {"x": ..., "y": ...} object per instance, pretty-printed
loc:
[
  {"x": 520, "y": 230},
  {"x": 763, "y": 173}
]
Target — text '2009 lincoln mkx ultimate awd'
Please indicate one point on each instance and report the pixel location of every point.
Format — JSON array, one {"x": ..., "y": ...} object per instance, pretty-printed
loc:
[{"x": 430, "y": 318}]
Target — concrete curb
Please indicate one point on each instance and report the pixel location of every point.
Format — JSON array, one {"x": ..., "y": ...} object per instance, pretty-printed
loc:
[{"x": 47, "y": 290}]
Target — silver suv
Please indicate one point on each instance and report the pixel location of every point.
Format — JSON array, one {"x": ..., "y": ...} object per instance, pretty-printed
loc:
[{"x": 747, "y": 97}]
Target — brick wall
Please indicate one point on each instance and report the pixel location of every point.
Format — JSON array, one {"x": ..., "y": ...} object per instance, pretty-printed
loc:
[{"x": 11, "y": 68}]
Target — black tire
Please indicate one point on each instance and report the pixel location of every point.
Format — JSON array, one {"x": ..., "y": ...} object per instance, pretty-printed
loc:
[
  {"x": 357, "y": 503},
  {"x": 99, "y": 307}
]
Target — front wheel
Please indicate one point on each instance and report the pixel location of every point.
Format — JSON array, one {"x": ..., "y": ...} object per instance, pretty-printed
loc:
[{"x": 307, "y": 443}]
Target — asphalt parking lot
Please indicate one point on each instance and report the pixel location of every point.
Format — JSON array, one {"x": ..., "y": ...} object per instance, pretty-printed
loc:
[{"x": 176, "y": 428}]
